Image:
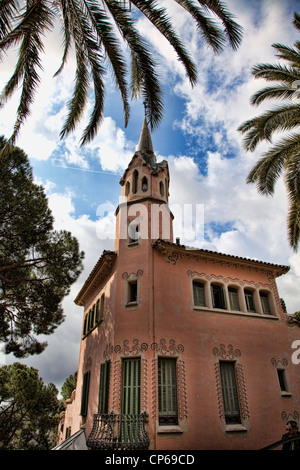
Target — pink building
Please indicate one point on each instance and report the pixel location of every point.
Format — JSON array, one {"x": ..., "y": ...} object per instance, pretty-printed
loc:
[{"x": 181, "y": 348}]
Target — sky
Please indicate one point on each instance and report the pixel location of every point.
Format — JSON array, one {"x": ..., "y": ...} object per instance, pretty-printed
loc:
[{"x": 198, "y": 137}]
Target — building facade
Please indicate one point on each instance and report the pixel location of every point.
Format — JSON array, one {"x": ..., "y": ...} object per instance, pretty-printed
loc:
[{"x": 181, "y": 348}]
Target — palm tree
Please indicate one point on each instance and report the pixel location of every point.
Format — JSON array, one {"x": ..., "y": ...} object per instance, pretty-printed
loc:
[
  {"x": 96, "y": 29},
  {"x": 283, "y": 157}
]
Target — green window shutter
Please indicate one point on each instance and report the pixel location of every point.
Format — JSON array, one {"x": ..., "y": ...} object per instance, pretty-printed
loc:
[
  {"x": 167, "y": 391},
  {"x": 230, "y": 392},
  {"x": 233, "y": 298},
  {"x": 198, "y": 292},
  {"x": 85, "y": 393},
  {"x": 131, "y": 386},
  {"x": 265, "y": 304},
  {"x": 104, "y": 387}
]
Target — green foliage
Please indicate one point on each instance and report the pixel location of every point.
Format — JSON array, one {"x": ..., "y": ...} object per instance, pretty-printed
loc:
[
  {"x": 68, "y": 386},
  {"x": 283, "y": 157},
  {"x": 296, "y": 315},
  {"x": 37, "y": 264},
  {"x": 90, "y": 27},
  {"x": 29, "y": 409}
]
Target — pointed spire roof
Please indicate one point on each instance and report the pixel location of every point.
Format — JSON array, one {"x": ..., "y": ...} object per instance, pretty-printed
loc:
[{"x": 145, "y": 142}]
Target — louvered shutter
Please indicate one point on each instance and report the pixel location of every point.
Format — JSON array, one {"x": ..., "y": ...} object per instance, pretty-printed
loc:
[
  {"x": 131, "y": 393},
  {"x": 85, "y": 393},
  {"x": 265, "y": 304},
  {"x": 230, "y": 392},
  {"x": 167, "y": 391},
  {"x": 104, "y": 387},
  {"x": 233, "y": 299},
  {"x": 198, "y": 292}
]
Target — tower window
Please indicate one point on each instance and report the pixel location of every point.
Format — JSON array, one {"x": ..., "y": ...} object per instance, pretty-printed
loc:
[
  {"x": 135, "y": 181},
  {"x": 161, "y": 188},
  {"x": 132, "y": 291},
  {"x": 127, "y": 188},
  {"x": 144, "y": 184}
]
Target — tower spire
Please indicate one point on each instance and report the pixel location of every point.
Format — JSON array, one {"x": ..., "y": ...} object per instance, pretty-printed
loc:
[{"x": 145, "y": 142}]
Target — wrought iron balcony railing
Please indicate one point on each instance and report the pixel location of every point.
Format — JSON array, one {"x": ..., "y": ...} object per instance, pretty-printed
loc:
[{"x": 119, "y": 432}]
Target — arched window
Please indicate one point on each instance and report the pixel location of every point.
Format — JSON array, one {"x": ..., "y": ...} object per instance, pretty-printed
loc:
[
  {"x": 144, "y": 184},
  {"x": 233, "y": 298},
  {"x": 199, "y": 295},
  {"x": 127, "y": 188},
  {"x": 161, "y": 188},
  {"x": 249, "y": 298},
  {"x": 218, "y": 296},
  {"x": 135, "y": 180}
]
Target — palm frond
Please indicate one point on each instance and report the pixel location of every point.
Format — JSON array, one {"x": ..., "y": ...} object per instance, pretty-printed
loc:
[
  {"x": 209, "y": 30},
  {"x": 233, "y": 30},
  {"x": 160, "y": 20},
  {"x": 262, "y": 127},
  {"x": 276, "y": 72},
  {"x": 100, "y": 22},
  {"x": 288, "y": 53},
  {"x": 34, "y": 21},
  {"x": 270, "y": 166},
  {"x": 63, "y": 6},
  {"x": 273, "y": 92},
  {"x": 8, "y": 11},
  {"x": 292, "y": 181},
  {"x": 150, "y": 86},
  {"x": 296, "y": 21}
]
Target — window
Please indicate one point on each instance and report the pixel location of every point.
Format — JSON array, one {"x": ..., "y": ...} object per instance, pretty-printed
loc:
[
  {"x": 85, "y": 393},
  {"x": 127, "y": 188},
  {"x": 230, "y": 393},
  {"x": 218, "y": 296},
  {"x": 134, "y": 230},
  {"x": 167, "y": 391},
  {"x": 233, "y": 298},
  {"x": 135, "y": 180},
  {"x": 198, "y": 293},
  {"x": 265, "y": 303},
  {"x": 131, "y": 386},
  {"x": 132, "y": 291},
  {"x": 104, "y": 387},
  {"x": 249, "y": 301},
  {"x": 161, "y": 188},
  {"x": 144, "y": 184}
]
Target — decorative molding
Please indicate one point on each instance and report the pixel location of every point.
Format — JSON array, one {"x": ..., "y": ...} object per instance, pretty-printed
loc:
[
  {"x": 294, "y": 415},
  {"x": 227, "y": 280},
  {"x": 117, "y": 385},
  {"x": 229, "y": 355},
  {"x": 135, "y": 350},
  {"x": 283, "y": 362},
  {"x": 161, "y": 347},
  {"x": 138, "y": 274},
  {"x": 107, "y": 353},
  {"x": 181, "y": 390}
]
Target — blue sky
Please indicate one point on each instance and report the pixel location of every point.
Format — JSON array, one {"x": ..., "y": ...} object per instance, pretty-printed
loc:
[{"x": 197, "y": 136}]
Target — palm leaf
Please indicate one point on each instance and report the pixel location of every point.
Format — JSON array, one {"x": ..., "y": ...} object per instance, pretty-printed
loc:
[
  {"x": 273, "y": 92},
  {"x": 267, "y": 170},
  {"x": 292, "y": 181},
  {"x": 273, "y": 72},
  {"x": 149, "y": 82},
  {"x": 233, "y": 31},
  {"x": 159, "y": 18}
]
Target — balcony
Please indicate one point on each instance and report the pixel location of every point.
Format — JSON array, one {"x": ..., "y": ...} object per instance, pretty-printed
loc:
[{"x": 119, "y": 432}]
